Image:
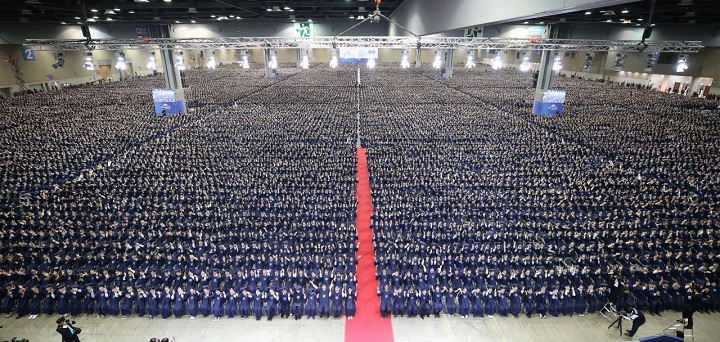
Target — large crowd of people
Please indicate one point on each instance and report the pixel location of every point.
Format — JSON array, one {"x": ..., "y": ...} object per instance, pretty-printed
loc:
[
  {"x": 245, "y": 206},
  {"x": 482, "y": 208}
]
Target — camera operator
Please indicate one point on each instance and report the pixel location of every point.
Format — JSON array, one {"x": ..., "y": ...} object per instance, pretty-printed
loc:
[
  {"x": 66, "y": 329},
  {"x": 637, "y": 318},
  {"x": 693, "y": 299}
]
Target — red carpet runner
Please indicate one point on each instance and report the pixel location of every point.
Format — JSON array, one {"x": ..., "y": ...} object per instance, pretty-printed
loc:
[{"x": 368, "y": 325}]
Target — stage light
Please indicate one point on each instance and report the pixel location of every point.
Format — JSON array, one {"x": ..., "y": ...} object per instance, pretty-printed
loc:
[
  {"x": 525, "y": 65},
  {"x": 180, "y": 61},
  {"x": 120, "y": 65},
  {"x": 371, "y": 63},
  {"x": 244, "y": 61},
  {"x": 589, "y": 60},
  {"x": 496, "y": 63},
  {"x": 88, "y": 63},
  {"x": 470, "y": 60},
  {"x": 273, "y": 64},
  {"x": 59, "y": 60},
  {"x": 557, "y": 63},
  {"x": 333, "y": 59},
  {"x": 682, "y": 63},
  {"x": 152, "y": 61},
  {"x": 211, "y": 63},
  {"x": 405, "y": 61},
  {"x": 437, "y": 63}
]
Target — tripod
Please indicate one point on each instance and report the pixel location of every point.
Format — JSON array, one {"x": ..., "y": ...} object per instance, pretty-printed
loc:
[{"x": 617, "y": 323}]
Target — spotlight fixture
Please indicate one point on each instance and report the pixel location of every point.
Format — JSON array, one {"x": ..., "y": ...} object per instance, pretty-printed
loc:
[
  {"x": 180, "y": 61},
  {"x": 588, "y": 60},
  {"x": 211, "y": 63},
  {"x": 682, "y": 63},
  {"x": 496, "y": 63},
  {"x": 334, "y": 59},
  {"x": 88, "y": 62},
  {"x": 557, "y": 63},
  {"x": 525, "y": 65},
  {"x": 405, "y": 61},
  {"x": 470, "y": 60},
  {"x": 152, "y": 61},
  {"x": 273, "y": 63},
  {"x": 437, "y": 62},
  {"x": 59, "y": 60},
  {"x": 304, "y": 60},
  {"x": 120, "y": 64}
]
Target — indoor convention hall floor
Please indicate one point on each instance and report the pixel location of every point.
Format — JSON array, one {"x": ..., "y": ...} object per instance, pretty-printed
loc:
[{"x": 134, "y": 329}]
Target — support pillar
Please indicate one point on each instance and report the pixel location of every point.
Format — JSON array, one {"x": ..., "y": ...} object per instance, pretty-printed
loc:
[
  {"x": 171, "y": 72},
  {"x": 545, "y": 73},
  {"x": 298, "y": 58},
  {"x": 270, "y": 70},
  {"x": 449, "y": 56}
]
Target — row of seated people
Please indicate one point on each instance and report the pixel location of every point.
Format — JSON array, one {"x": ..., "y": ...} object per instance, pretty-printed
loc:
[
  {"x": 256, "y": 300},
  {"x": 483, "y": 193},
  {"x": 243, "y": 197}
]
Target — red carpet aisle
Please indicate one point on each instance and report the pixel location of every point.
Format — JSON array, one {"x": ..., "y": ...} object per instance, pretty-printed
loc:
[{"x": 368, "y": 325}]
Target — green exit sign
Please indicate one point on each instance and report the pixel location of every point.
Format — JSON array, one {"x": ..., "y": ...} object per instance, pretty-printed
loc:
[{"x": 304, "y": 30}]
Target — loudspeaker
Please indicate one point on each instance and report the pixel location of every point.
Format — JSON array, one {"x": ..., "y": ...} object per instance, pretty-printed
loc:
[
  {"x": 648, "y": 32},
  {"x": 85, "y": 31}
]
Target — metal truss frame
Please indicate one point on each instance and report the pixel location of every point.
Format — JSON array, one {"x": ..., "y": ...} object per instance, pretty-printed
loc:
[{"x": 361, "y": 42}]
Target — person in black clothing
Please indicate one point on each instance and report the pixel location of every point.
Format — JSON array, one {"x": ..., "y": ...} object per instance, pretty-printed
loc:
[
  {"x": 691, "y": 304},
  {"x": 637, "y": 318},
  {"x": 67, "y": 331}
]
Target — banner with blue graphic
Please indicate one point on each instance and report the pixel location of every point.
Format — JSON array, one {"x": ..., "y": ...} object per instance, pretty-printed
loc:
[
  {"x": 166, "y": 103},
  {"x": 357, "y": 55},
  {"x": 552, "y": 103}
]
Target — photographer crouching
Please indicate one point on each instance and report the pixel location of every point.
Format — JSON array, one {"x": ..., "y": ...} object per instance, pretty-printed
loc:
[
  {"x": 637, "y": 318},
  {"x": 66, "y": 329}
]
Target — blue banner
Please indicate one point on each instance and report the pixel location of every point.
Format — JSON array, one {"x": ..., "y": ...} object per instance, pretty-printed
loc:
[
  {"x": 547, "y": 108},
  {"x": 171, "y": 108}
]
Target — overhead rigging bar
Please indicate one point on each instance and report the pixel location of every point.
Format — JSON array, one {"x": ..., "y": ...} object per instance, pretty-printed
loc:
[{"x": 376, "y": 41}]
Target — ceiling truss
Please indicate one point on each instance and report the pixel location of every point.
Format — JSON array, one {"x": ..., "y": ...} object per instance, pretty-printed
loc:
[{"x": 360, "y": 42}]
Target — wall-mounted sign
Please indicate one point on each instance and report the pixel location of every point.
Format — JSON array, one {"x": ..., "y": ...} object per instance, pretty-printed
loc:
[
  {"x": 28, "y": 54},
  {"x": 473, "y": 32}
]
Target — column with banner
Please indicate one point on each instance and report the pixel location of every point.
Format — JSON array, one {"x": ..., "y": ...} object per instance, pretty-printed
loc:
[
  {"x": 552, "y": 103},
  {"x": 166, "y": 103}
]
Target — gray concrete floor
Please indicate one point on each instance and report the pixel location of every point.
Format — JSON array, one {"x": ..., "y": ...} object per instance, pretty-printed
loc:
[{"x": 450, "y": 329}]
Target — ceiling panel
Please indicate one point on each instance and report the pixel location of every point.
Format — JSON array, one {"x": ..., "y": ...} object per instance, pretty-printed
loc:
[{"x": 164, "y": 11}]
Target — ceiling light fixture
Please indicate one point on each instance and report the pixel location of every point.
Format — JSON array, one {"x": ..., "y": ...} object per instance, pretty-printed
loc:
[
  {"x": 588, "y": 13},
  {"x": 269, "y": 9},
  {"x": 131, "y": 12},
  {"x": 625, "y": 11},
  {"x": 93, "y": 10}
]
